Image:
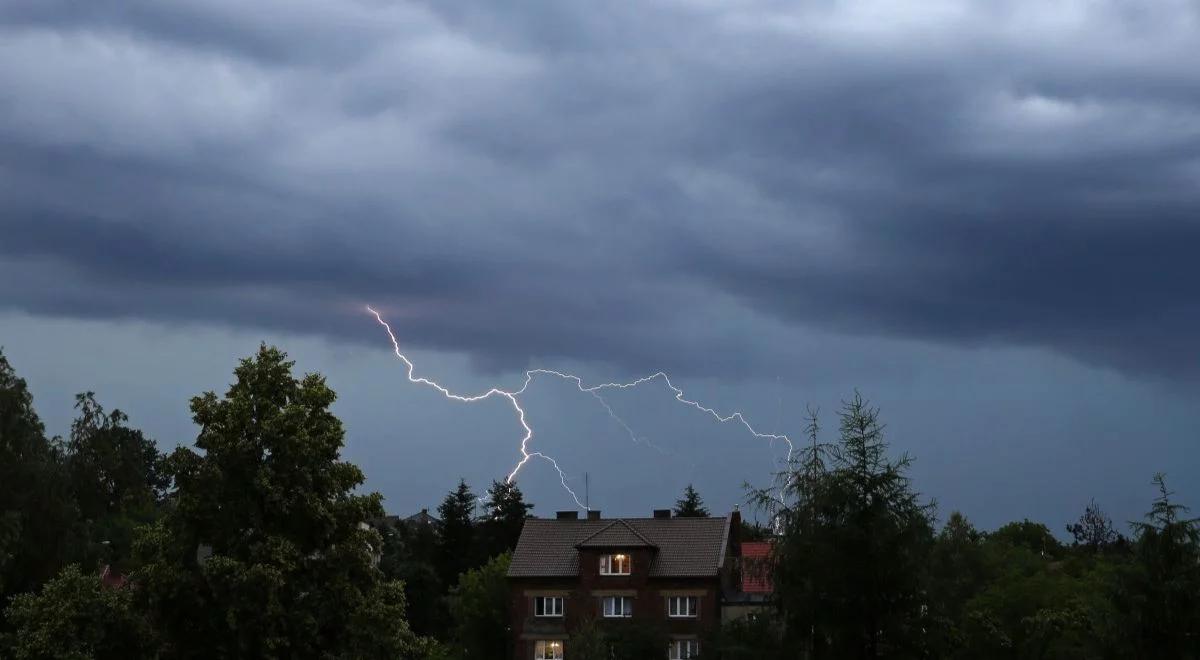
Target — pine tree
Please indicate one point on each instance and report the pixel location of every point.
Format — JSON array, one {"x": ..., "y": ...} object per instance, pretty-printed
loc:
[
  {"x": 853, "y": 547},
  {"x": 457, "y": 550},
  {"x": 690, "y": 505},
  {"x": 505, "y": 516}
]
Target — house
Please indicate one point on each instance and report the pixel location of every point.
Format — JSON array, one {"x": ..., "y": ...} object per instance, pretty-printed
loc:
[
  {"x": 750, "y": 590},
  {"x": 661, "y": 569}
]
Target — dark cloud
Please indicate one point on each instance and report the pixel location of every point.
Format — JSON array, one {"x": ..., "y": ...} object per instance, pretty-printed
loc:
[{"x": 635, "y": 184}]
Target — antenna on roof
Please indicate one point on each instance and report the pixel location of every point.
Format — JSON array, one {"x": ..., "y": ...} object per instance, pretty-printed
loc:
[{"x": 587, "y": 500}]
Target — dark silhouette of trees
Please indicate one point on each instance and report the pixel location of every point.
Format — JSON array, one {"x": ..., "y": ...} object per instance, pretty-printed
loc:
[
  {"x": 690, "y": 505},
  {"x": 504, "y": 516},
  {"x": 457, "y": 549},
  {"x": 854, "y": 547},
  {"x": 264, "y": 551}
]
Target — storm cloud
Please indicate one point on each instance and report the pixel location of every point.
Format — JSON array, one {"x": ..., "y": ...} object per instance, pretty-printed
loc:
[{"x": 639, "y": 184}]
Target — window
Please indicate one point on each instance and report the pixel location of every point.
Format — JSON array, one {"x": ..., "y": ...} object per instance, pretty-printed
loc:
[
  {"x": 682, "y": 606},
  {"x": 682, "y": 649},
  {"x": 614, "y": 564},
  {"x": 548, "y": 606},
  {"x": 617, "y": 606},
  {"x": 548, "y": 650}
]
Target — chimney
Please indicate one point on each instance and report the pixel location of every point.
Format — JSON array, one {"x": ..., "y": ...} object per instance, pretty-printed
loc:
[
  {"x": 593, "y": 515},
  {"x": 567, "y": 515},
  {"x": 662, "y": 513}
]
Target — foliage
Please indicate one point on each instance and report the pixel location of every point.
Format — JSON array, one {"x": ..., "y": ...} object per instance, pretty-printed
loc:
[
  {"x": 479, "y": 605},
  {"x": 74, "y": 617},
  {"x": 753, "y": 637},
  {"x": 39, "y": 520},
  {"x": 505, "y": 516},
  {"x": 1094, "y": 531},
  {"x": 1165, "y": 588},
  {"x": 588, "y": 641},
  {"x": 291, "y": 569},
  {"x": 457, "y": 551},
  {"x": 116, "y": 477},
  {"x": 690, "y": 505},
  {"x": 855, "y": 544},
  {"x": 635, "y": 639}
]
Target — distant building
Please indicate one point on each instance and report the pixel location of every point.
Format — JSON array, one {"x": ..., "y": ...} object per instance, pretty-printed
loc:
[
  {"x": 675, "y": 571},
  {"x": 751, "y": 589}
]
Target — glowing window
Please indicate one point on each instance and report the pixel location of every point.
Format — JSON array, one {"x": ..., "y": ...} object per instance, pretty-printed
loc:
[
  {"x": 683, "y": 649},
  {"x": 548, "y": 650},
  {"x": 615, "y": 564}
]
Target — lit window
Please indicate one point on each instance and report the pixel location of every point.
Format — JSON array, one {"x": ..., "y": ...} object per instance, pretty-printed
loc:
[
  {"x": 617, "y": 606},
  {"x": 682, "y": 606},
  {"x": 548, "y": 606},
  {"x": 682, "y": 649},
  {"x": 614, "y": 564},
  {"x": 548, "y": 650}
]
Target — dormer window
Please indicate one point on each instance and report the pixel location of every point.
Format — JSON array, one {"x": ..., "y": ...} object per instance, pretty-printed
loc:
[{"x": 617, "y": 564}]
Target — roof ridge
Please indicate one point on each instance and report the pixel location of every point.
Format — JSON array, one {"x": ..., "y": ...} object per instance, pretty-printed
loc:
[{"x": 612, "y": 524}]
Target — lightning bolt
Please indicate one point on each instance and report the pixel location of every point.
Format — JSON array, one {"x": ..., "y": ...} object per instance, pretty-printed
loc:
[{"x": 513, "y": 397}]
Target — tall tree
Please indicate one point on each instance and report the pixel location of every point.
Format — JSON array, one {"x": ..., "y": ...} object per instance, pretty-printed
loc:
[
  {"x": 1166, "y": 589},
  {"x": 38, "y": 517},
  {"x": 690, "y": 505},
  {"x": 116, "y": 478},
  {"x": 855, "y": 540},
  {"x": 456, "y": 546},
  {"x": 264, "y": 552},
  {"x": 505, "y": 516}
]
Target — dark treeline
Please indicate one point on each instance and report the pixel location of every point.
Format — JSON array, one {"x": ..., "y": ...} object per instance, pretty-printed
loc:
[
  {"x": 861, "y": 570},
  {"x": 257, "y": 542}
]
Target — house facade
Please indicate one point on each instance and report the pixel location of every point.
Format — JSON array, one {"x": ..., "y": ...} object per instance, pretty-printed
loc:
[{"x": 663, "y": 570}]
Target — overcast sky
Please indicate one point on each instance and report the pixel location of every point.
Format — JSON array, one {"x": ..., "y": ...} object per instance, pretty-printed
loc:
[{"x": 983, "y": 215}]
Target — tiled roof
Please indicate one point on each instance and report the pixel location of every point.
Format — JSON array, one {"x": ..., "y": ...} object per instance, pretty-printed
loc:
[
  {"x": 755, "y": 578},
  {"x": 617, "y": 534},
  {"x": 686, "y": 547}
]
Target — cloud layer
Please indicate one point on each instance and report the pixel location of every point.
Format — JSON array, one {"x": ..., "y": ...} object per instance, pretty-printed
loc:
[{"x": 645, "y": 185}]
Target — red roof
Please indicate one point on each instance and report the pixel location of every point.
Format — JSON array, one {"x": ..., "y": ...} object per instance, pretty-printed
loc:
[{"x": 755, "y": 577}]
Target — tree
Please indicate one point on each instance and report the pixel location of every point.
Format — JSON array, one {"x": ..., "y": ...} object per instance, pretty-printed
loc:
[
  {"x": 264, "y": 551},
  {"x": 116, "y": 478},
  {"x": 39, "y": 523},
  {"x": 479, "y": 607},
  {"x": 850, "y": 564},
  {"x": 505, "y": 516},
  {"x": 1094, "y": 531},
  {"x": 75, "y": 617},
  {"x": 690, "y": 505},
  {"x": 457, "y": 551},
  {"x": 1165, "y": 591}
]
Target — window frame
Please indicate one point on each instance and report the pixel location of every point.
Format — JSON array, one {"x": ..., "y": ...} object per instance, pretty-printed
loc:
[
  {"x": 607, "y": 561},
  {"x": 675, "y": 612},
  {"x": 626, "y": 607},
  {"x": 677, "y": 649},
  {"x": 556, "y": 613},
  {"x": 542, "y": 645}
]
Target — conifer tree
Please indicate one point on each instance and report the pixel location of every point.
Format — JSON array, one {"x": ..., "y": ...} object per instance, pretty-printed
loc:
[{"x": 690, "y": 505}]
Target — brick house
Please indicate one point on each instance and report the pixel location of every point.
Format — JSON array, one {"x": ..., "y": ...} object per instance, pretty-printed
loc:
[{"x": 666, "y": 570}]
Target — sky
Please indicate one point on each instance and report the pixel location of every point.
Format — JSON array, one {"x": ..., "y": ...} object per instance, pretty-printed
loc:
[{"x": 983, "y": 216}]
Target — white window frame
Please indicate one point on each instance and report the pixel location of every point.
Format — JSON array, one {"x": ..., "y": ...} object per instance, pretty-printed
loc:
[
  {"x": 550, "y": 606},
  {"x": 616, "y": 564},
  {"x": 548, "y": 649},
  {"x": 621, "y": 607},
  {"x": 683, "y": 607},
  {"x": 683, "y": 649}
]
